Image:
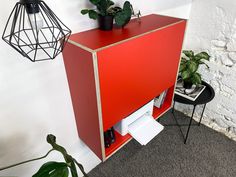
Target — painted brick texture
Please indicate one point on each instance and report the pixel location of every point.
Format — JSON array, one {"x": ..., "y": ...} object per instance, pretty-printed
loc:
[{"x": 212, "y": 28}]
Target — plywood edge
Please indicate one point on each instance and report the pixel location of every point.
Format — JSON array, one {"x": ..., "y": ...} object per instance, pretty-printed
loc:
[
  {"x": 122, "y": 41},
  {"x": 118, "y": 149},
  {"x": 99, "y": 105},
  {"x": 81, "y": 46},
  {"x": 81, "y": 81},
  {"x": 184, "y": 38},
  {"x": 143, "y": 34},
  {"x": 167, "y": 109}
]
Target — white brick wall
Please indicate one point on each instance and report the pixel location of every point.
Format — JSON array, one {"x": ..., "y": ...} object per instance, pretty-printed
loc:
[{"x": 212, "y": 27}]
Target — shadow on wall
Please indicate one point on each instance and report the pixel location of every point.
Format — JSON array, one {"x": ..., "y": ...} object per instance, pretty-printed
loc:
[{"x": 8, "y": 146}]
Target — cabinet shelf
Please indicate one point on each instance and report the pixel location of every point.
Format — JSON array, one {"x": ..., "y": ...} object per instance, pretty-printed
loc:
[
  {"x": 120, "y": 141},
  {"x": 103, "y": 68},
  {"x": 157, "y": 112}
]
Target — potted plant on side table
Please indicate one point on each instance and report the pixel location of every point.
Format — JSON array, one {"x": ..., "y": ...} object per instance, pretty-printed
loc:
[
  {"x": 189, "y": 66},
  {"x": 105, "y": 12}
]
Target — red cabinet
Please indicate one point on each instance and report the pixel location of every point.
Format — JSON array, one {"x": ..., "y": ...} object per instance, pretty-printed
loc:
[{"x": 111, "y": 74}]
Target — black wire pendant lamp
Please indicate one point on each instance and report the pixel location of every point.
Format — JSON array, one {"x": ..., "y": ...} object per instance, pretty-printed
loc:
[{"x": 35, "y": 31}]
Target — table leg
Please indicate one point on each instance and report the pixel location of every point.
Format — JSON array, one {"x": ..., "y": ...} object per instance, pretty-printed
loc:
[
  {"x": 190, "y": 122},
  {"x": 173, "y": 109},
  {"x": 202, "y": 115},
  {"x": 177, "y": 123}
]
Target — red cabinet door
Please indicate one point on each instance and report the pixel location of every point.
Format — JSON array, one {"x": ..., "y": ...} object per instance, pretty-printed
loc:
[{"x": 134, "y": 72}]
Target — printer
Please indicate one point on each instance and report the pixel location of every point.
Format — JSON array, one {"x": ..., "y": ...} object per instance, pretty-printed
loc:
[{"x": 140, "y": 124}]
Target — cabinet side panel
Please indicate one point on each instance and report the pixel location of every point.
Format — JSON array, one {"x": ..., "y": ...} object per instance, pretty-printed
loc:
[
  {"x": 80, "y": 75},
  {"x": 134, "y": 72}
]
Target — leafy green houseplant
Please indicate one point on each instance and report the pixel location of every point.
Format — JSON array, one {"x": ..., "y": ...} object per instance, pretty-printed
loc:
[
  {"x": 189, "y": 66},
  {"x": 105, "y": 12},
  {"x": 55, "y": 169}
]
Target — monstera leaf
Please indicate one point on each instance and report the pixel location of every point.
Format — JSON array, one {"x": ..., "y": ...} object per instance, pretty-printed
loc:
[{"x": 53, "y": 169}]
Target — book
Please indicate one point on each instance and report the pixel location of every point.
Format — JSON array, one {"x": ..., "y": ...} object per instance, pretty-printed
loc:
[
  {"x": 192, "y": 93},
  {"x": 159, "y": 100}
]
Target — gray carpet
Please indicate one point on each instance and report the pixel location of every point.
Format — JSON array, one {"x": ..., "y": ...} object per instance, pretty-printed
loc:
[{"x": 206, "y": 154}]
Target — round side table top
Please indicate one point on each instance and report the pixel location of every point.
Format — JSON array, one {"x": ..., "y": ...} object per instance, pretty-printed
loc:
[{"x": 206, "y": 96}]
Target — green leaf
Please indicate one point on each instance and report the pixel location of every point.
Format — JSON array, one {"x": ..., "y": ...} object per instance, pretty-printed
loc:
[
  {"x": 185, "y": 74},
  {"x": 51, "y": 139},
  {"x": 196, "y": 78},
  {"x": 188, "y": 53},
  {"x": 84, "y": 11},
  {"x": 80, "y": 167},
  {"x": 192, "y": 66},
  {"x": 110, "y": 3},
  {"x": 120, "y": 18},
  {"x": 123, "y": 17},
  {"x": 127, "y": 6},
  {"x": 73, "y": 169},
  {"x": 183, "y": 59},
  {"x": 93, "y": 14},
  {"x": 95, "y": 2},
  {"x": 201, "y": 62},
  {"x": 182, "y": 67},
  {"x": 202, "y": 55},
  {"x": 53, "y": 169},
  {"x": 114, "y": 10},
  {"x": 102, "y": 7},
  {"x": 62, "y": 172}
]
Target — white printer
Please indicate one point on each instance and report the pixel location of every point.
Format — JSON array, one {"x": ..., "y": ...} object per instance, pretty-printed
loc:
[{"x": 140, "y": 124}]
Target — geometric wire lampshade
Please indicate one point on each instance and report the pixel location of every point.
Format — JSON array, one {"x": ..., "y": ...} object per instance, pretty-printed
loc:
[{"x": 35, "y": 31}]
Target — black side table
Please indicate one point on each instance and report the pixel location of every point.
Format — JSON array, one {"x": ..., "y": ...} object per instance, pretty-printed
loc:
[{"x": 205, "y": 97}]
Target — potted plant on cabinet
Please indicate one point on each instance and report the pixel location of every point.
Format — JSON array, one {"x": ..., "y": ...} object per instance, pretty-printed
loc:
[
  {"x": 54, "y": 169},
  {"x": 189, "y": 66},
  {"x": 106, "y": 11}
]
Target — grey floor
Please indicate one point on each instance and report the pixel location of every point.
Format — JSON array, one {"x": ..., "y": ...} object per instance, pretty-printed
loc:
[{"x": 206, "y": 154}]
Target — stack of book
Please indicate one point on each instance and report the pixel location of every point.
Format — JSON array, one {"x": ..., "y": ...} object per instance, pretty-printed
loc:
[
  {"x": 159, "y": 100},
  {"x": 192, "y": 93}
]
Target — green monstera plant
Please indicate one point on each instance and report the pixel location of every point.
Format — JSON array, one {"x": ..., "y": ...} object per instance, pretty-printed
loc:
[
  {"x": 55, "y": 169},
  {"x": 189, "y": 66},
  {"x": 106, "y": 8}
]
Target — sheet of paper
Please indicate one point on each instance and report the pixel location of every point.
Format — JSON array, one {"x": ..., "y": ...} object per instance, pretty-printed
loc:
[{"x": 145, "y": 129}]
